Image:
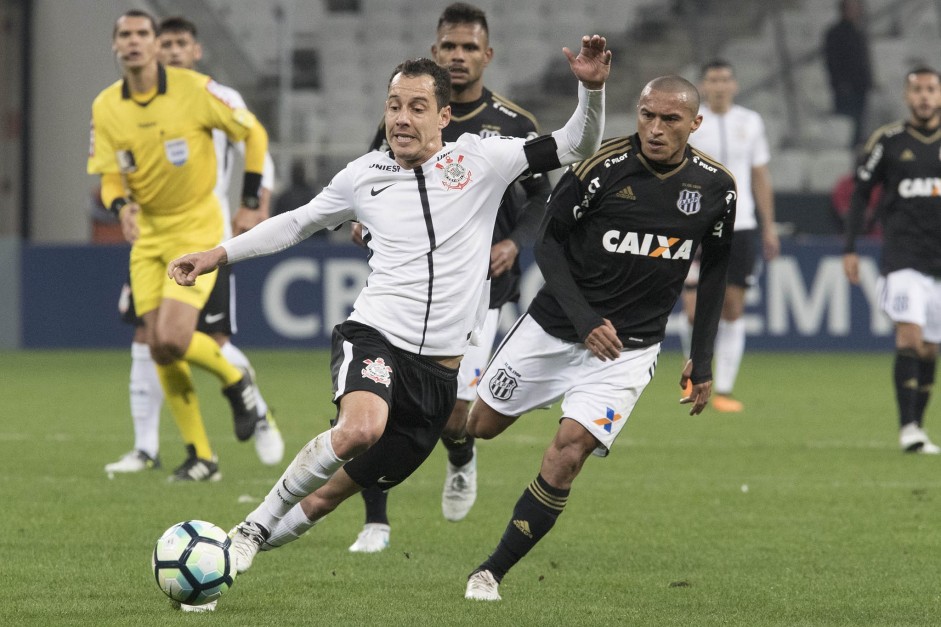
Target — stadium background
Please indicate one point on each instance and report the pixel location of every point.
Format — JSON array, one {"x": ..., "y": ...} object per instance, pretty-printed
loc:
[{"x": 315, "y": 71}]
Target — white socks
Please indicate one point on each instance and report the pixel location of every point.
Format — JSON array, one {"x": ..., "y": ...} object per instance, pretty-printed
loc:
[
  {"x": 686, "y": 334},
  {"x": 146, "y": 400},
  {"x": 294, "y": 524},
  {"x": 730, "y": 346},
  {"x": 312, "y": 467},
  {"x": 238, "y": 359}
]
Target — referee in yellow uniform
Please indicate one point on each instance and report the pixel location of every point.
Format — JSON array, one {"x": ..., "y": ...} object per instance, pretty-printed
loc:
[{"x": 151, "y": 142}]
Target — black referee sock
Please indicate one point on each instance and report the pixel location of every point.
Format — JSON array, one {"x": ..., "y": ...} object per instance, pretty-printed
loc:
[
  {"x": 907, "y": 367},
  {"x": 534, "y": 515},
  {"x": 375, "y": 500},
  {"x": 926, "y": 369},
  {"x": 460, "y": 451}
]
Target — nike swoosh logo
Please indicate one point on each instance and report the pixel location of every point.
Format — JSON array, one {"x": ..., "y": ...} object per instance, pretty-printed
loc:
[
  {"x": 213, "y": 318},
  {"x": 376, "y": 192},
  {"x": 384, "y": 480}
]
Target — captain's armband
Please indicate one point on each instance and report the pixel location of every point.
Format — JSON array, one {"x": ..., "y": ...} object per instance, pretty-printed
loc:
[{"x": 542, "y": 153}]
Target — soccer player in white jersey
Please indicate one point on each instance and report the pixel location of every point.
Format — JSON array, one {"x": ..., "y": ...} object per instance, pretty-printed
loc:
[
  {"x": 428, "y": 210},
  {"x": 179, "y": 47},
  {"x": 735, "y": 136}
]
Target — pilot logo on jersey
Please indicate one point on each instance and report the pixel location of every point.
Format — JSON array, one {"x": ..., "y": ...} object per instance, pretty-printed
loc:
[
  {"x": 689, "y": 201},
  {"x": 378, "y": 371},
  {"x": 456, "y": 176}
]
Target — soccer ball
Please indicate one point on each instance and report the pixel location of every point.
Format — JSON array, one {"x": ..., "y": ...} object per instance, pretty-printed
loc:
[{"x": 192, "y": 563}]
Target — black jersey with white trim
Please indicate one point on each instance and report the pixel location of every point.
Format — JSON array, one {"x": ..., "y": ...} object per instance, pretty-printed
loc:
[
  {"x": 907, "y": 160},
  {"x": 518, "y": 219},
  {"x": 618, "y": 239}
]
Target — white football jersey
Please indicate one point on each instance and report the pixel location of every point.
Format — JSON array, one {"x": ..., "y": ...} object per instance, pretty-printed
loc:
[
  {"x": 737, "y": 140},
  {"x": 428, "y": 232}
]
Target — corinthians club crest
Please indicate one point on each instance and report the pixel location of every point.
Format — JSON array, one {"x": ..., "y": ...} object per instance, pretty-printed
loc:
[
  {"x": 377, "y": 370},
  {"x": 689, "y": 201},
  {"x": 456, "y": 176}
]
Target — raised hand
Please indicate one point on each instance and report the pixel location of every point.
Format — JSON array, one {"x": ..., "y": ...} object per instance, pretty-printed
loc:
[{"x": 593, "y": 63}]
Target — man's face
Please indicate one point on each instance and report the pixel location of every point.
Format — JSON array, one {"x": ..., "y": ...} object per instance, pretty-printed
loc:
[
  {"x": 134, "y": 43},
  {"x": 923, "y": 96},
  {"x": 718, "y": 88},
  {"x": 465, "y": 51},
  {"x": 413, "y": 121},
  {"x": 664, "y": 122},
  {"x": 179, "y": 49}
]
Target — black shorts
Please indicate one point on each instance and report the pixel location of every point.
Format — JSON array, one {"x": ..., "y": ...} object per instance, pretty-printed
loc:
[
  {"x": 419, "y": 391},
  {"x": 217, "y": 316},
  {"x": 741, "y": 271}
]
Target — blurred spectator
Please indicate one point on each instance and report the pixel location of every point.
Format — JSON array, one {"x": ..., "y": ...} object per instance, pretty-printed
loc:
[
  {"x": 847, "y": 55},
  {"x": 298, "y": 192}
]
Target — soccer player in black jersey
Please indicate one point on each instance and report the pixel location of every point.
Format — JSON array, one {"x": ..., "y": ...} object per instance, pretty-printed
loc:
[
  {"x": 906, "y": 158},
  {"x": 462, "y": 45},
  {"x": 615, "y": 246}
]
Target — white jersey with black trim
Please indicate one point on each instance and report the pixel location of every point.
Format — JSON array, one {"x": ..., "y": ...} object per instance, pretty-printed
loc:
[
  {"x": 738, "y": 141},
  {"x": 428, "y": 231},
  {"x": 225, "y": 159}
]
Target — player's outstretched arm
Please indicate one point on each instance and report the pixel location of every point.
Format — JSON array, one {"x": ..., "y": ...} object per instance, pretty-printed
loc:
[
  {"x": 185, "y": 269},
  {"x": 593, "y": 63}
]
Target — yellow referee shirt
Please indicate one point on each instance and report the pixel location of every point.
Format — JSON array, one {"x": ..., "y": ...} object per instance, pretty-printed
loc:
[{"x": 165, "y": 143}]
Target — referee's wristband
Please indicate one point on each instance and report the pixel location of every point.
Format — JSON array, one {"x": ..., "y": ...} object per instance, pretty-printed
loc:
[
  {"x": 116, "y": 206},
  {"x": 251, "y": 186}
]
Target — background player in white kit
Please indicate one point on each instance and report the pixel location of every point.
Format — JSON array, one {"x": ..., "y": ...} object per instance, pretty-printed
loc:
[
  {"x": 179, "y": 47},
  {"x": 429, "y": 208},
  {"x": 735, "y": 136}
]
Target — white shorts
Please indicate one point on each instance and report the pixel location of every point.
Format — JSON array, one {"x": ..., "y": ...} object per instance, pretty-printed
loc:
[
  {"x": 910, "y": 296},
  {"x": 476, "y": 357},
  {"x": 532, "y": 369}
]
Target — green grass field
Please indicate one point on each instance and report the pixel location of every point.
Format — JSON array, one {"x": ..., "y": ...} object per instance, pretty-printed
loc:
[{"x": 800, "y": 511}]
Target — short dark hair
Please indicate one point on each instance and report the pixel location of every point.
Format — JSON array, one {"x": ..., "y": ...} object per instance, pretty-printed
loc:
[
  {"x": 921, "y": 69},
  {"x": 716, "y": 64},
  {"x": 136, "y": 13},
  {"x": 463, "y": 13},
  {"x": 179, "y": 24},
  {"x": 422, "y": 66}
]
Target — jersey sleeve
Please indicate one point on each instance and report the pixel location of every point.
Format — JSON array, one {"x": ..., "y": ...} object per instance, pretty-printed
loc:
[
  {"x": 710, "y": 295},
  {"x": 870, "y": 171},
  {"x": 227, "y": 112},
  {"x": 761, "y": 153},
  {"x": 328, "y": 209},
  {"x": 101, "y": 157},
  {"x": 568, "y": 204}
]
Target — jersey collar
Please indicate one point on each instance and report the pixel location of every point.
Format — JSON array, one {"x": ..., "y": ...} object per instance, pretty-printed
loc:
[{"x": 161, "y": 85}]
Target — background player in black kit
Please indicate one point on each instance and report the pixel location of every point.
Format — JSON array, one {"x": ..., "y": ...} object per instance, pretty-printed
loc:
[
  {"x": 615, "y": 246},
  {"x": 462, "y": 45},
  {"x": 906, "y": 158}
]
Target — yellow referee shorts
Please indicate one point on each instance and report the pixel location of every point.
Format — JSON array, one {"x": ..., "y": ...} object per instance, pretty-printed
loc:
[{"x": 162, "y": 239}]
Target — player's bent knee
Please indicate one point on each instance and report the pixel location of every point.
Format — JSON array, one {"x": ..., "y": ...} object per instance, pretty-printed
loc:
[{"x": 486, "y": 423}]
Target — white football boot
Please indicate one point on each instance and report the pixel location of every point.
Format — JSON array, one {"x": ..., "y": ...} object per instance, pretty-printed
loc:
[
  {"x": 482, "y": 586},
  {"x": 373, "y": 538},
  {"x": 460, "y": 490}
]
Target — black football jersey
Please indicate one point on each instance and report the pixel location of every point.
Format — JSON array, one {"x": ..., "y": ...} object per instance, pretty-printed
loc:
[
  {"x": 907, "y": 161},
  {"x": 617, "y": 241},
  {"x": 523, "y": 205}
]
